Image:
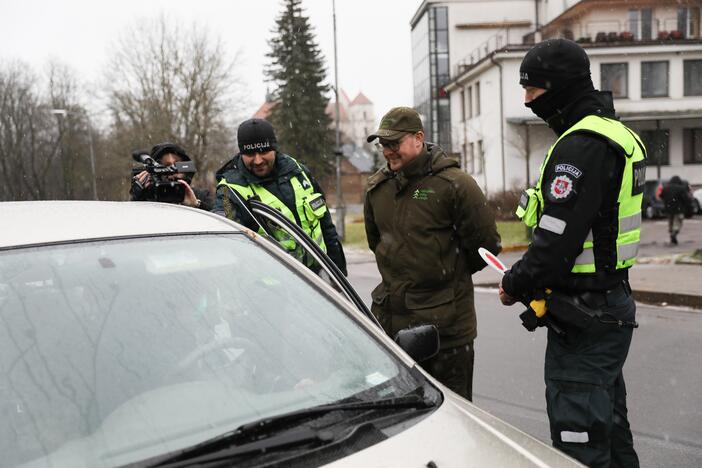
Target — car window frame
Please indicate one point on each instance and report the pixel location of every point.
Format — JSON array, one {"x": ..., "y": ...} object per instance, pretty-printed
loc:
[{"x": 260, "y": 212}]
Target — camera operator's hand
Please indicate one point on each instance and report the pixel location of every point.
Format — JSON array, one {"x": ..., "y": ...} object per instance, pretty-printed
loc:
[
  {"x": 140, "y": 183},
  {"x": 190, "y": 199},
  {"x": 143, "y": 179}
]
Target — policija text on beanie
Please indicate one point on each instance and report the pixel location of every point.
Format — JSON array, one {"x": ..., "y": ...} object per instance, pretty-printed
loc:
[
  {"x": 562, "y": 68},
  {"x": 256, "y": 136}
]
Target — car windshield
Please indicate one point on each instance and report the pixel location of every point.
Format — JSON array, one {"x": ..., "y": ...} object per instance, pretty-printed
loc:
[{"x": 116, "y": 351}]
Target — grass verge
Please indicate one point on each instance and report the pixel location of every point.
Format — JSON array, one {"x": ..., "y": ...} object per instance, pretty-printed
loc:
[{"x": 513, "y": 233}]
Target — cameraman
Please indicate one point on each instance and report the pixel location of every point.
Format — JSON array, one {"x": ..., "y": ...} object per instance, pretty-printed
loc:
[{"x": 167, "y": 154}]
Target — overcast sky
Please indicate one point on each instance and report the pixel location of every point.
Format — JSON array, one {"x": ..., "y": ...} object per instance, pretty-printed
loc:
[{"x": 374, "y": 48}]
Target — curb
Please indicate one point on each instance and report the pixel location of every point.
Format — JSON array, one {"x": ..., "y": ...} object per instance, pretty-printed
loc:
[
  {"x": 514, "y": 248},
  {"x": 647, "y": 297}
]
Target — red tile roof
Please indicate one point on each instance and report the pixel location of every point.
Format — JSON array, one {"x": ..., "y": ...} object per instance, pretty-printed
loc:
[
  {"x": 264, "y": 111},
  {"x": 361, "y": 99}
]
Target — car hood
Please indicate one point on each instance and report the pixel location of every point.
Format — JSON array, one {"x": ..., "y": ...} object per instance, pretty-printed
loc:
[{"x": 458, "y": 434}]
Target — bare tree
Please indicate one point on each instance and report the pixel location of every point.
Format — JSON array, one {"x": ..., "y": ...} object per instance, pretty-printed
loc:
[
  {"x": 27, "y": 141},
  {"x": 43, "y": 154},
  {"x": 74, "y": 177},
  {"x": 518, "y": 139},
  {"x": 168, "y": 82}
]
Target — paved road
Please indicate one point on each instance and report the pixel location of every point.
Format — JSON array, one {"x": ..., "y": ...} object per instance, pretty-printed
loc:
[
  {"x": 663, "y": 375},
  {"x": 655, "y": 240}
]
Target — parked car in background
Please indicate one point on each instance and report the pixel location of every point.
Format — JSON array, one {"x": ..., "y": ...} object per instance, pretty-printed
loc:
[
  {"x": 146, "y": 334},
  {"x": 652, "y": 204}
]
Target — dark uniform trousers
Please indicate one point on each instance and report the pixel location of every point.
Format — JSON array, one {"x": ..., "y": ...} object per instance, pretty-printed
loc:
[
  {"x": 585, "y": 390},
  {"x": 453, "y": 367}
]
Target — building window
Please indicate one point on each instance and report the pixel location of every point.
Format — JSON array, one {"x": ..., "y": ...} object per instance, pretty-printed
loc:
[
  {"x": 693, "y": 77},
  {"x": 464, "y": 158},
  {"x": 477, "y": 98},
  {"x": 654, "y": 79},
  {"x": 615, "y": 79},
  {"x": 656, "y": 142},
  {"x": 641, "y": 23},
  {"x": 472, "y": 158},
  {"x": 435, "y": 106},
  {"x": 692, "y": 145},
  {"x": 480, "y": 158},
  {"x": 463, "y": 105},
  {"x": 469, "y": 104},
  {"x": 689, "y": 22}
]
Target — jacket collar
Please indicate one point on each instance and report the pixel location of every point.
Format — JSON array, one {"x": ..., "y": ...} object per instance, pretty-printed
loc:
[
  {"x": 236, "y": 171},
  {"x": 593, "y": 103}
]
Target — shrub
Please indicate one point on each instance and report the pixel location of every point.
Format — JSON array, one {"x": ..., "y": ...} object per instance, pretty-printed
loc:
[{"x": 504, "y": 204}]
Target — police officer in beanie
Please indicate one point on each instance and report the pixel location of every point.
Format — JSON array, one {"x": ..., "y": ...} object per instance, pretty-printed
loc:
[
  {"x": 278, "y": 180},
  {"x": 586, "y": 213},
  {"x": 167, "y": 154}
]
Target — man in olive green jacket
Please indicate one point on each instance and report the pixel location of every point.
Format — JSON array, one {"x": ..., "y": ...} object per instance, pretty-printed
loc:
[{"x": 425, "y": 219}]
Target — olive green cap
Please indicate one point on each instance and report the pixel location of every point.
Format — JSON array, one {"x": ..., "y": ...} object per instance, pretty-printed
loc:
[{"x": 396, "y": 123}]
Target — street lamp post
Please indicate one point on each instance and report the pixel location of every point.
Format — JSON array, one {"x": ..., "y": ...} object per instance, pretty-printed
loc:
[
  {"x": 340, "y": 208},
  {"x": 64, "y": 113}
]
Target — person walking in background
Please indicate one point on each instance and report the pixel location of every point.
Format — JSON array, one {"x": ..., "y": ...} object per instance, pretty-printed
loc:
[
  {"x": 676, "y": 196},
  {"x": 425, "y": 219}
]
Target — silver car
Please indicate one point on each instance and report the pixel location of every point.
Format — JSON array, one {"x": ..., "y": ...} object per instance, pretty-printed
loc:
[{"x": 145, "y": 334}]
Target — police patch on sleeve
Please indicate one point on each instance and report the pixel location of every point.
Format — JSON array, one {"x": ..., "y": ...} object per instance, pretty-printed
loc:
[
  {"x": 569, "y": 169},
  {"x": 561, "y": 188}
]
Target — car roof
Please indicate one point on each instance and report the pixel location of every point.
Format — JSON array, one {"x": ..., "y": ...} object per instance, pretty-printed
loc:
[{"x": 39, "y": 222}]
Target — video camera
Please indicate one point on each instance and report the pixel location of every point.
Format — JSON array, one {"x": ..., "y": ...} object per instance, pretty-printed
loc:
[{"x": 162, "y": 188}]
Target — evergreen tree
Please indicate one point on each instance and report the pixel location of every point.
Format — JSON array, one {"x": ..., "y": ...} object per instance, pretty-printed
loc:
[{"x": 296, "y": 69}]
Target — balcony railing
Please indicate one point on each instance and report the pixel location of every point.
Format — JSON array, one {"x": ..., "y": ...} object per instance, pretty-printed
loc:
[
  {"x": 625, "y": 31},
  {"x": 493, "y": 43}
]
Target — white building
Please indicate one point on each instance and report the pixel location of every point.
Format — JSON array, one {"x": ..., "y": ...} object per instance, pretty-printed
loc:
[
  {"x": 357, "y": 117},
  {"x": 648, "y": 53},
  {"x": 451, "y": 35}
]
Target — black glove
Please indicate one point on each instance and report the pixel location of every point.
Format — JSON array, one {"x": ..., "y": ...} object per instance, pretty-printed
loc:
[{"x": 138, "y": 191}]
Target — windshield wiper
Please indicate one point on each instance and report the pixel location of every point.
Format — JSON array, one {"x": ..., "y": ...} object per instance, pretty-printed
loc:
[{"x": 256, "y": 436}]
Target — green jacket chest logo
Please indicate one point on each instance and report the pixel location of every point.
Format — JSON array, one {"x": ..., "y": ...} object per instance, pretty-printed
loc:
[{"x": 422, "y": 194}]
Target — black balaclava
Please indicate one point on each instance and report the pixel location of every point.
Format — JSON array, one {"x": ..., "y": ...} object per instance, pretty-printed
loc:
[{"x": 562, "y": 68}]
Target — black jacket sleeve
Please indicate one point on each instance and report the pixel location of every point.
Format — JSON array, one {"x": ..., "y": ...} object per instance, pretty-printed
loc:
[
  {"x": 335, "y": 251},
  {"x": 582, "y": 172},
  {"x": 206, "y": 202}
]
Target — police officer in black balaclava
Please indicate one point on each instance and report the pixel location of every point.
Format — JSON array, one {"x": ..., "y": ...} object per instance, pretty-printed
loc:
[{"x": 586, "y": 213}]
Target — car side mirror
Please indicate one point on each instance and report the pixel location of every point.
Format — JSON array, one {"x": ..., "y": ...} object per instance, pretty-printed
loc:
[{"x": 421, "y": 342}]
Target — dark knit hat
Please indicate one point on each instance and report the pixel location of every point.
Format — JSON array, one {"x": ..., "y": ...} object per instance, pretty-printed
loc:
[
  {"x": 256, "y": 136},
  {"x": 162, "y": 149},
  {"x": 554, "y": 63}
]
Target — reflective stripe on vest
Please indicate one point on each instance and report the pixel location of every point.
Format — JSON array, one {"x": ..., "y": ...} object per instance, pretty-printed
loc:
[
  {"x": 629, "y": 204},
  {"x": 310, "y": 207}
]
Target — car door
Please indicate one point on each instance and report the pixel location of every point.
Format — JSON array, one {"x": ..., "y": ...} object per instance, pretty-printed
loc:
[{"x": 270, "y": 219}]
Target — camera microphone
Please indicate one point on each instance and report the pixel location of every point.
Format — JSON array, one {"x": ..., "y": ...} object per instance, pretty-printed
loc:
[{"x": 143, "y": 157}]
